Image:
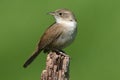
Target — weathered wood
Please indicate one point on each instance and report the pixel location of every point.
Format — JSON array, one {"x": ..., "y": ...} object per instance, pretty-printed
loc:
[{"x": 57, "y": 67}]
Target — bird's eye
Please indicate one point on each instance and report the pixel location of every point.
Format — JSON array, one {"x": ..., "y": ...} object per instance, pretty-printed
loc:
[{"x": 60, "y": 14}]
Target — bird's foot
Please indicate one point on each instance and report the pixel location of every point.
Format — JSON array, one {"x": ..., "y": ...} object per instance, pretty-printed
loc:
[{"x": 60, "y": 52}]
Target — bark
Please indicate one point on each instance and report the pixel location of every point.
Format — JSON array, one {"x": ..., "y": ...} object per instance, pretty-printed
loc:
[{"x": 57, "y": 67}]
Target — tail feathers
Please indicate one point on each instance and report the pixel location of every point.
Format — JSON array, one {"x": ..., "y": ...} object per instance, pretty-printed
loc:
[{"x": 30, "y": 60}]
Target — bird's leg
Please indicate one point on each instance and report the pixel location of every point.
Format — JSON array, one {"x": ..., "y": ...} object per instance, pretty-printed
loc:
[{"x": 60, "y": 52}]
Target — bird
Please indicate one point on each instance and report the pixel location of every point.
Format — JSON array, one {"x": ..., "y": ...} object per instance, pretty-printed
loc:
[{"x": 57, "y": 36}]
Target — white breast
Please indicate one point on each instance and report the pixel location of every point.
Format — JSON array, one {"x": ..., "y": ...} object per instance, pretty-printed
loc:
[{"x": 68, "y": 34}]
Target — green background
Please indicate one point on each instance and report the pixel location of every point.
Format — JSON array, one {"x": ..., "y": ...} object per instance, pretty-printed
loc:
[{"x": 95, "y": 54}]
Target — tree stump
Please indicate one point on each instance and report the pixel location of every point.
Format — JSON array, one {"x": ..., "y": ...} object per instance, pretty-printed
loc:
[{"x": 57, "y": 67}]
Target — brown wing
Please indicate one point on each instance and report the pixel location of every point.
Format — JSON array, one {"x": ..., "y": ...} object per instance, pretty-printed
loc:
[{"x": 50, "y": 35}]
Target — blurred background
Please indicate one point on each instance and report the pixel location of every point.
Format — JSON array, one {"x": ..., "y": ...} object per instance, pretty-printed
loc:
[{"x": 95, "y": 54}]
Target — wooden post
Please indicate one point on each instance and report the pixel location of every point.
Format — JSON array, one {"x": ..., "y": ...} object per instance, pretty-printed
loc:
[{"x": 57, "y": 67}]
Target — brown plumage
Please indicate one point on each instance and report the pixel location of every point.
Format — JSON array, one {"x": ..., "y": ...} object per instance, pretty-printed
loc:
[
  {"x": 45, "y": 42},
  {"x": 57, "y": 36}
]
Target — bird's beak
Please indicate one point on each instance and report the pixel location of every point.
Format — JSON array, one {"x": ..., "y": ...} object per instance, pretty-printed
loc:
[{"x": 52, "y": 13}]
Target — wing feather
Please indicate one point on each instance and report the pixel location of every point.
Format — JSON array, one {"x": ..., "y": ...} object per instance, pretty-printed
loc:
[{"x": 50, "y": 35}]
